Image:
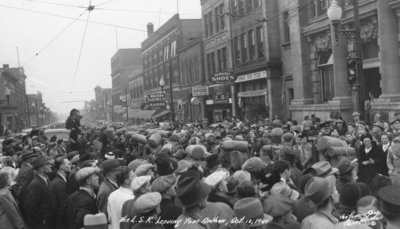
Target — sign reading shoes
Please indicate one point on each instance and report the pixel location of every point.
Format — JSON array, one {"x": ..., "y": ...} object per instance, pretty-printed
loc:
[{"x": 222, "y": 78}]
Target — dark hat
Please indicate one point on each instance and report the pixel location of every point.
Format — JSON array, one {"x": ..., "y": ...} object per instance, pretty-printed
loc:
[
  {"x": 232, "y": 185},
  {"x": 396, "y": 112},
  {"x": 39, "y": 161},
  {"x": 191, "y": 191},
  {"x": 344, "y": 166},
  {"x": 327, "y": 123},
  {"x": 396, "y": 120},
  {"x": 110, "y": 165},
  {"x": 389, "y": 200},
  {"x": 379, "y": 125},
  {"x": 352, "y": 192},
  {"x": 286, "y": 153},
  {"x": 165, "y": 165},
  {"x": 324, "y": 169},
  {"x": 303, "y": 181},
  {"x": 212, "y": 160},
  {"x": 251, "y": 209},
  {"x": 318, "y": 190},
  {"x": 28, "y": 154}
]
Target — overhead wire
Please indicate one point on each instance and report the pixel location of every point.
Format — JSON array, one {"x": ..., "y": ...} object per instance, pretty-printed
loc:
[
  {"x": 80, "y": 51},
  {"x": 55, "y": 4},
  {"x": 54, "y": 39},
  {"x": 104, "y": 3}
]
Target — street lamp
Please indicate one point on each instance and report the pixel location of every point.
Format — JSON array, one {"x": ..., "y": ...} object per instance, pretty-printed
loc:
[
  {"x": 162, "y": 84},
  {"x": 335, "y": 14}
]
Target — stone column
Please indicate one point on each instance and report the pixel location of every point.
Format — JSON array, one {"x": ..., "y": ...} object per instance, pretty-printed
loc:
[
  {"x": 389, "y": 51},
  {"x": 301, "y": 67},
  {"x": 339, "y": 55}
]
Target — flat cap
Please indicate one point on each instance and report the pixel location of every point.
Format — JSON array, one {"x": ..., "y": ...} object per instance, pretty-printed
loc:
[
  {"x": 85, "y": 173},
  {"x": 147, "y": 202}
]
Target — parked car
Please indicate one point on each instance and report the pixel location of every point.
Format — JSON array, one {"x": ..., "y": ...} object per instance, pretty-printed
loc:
[{"x": 59, "y": 133}]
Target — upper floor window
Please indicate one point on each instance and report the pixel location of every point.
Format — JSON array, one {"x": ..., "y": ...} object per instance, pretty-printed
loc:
[
  {"x": 243, "y": 44},
  {"x": 319, "y": 7},
  {"x": 286, "y": 29},
  {"x": 210, "y": 24},
  {"x": 260, "y": 42},
  {"x": 173, "y": 49},
  {"x": 252, "y": 45},
  {"x": 249, "y": 5},
  {"x": 221, "y": 16},
  {"x": 205, "y": 21},
  {"x": 216, "y": 14},
  {"x": 241, "y": 7}
]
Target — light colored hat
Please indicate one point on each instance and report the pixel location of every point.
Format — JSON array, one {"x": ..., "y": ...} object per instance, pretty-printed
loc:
[
  {"x": 281, "y": 188},
  {"x": 138, "y": 182},
  {"x": 133, "y": 165},
  {"x": 147, "y": 202},
  {"x": 109, "y": 155},
  {"x": 143, "y": 169},
  {"x": 98, "y": 221},
  {"x": 183, "y": 166},
  {"x": 163, "y": 183},
  {"x": 84, "y": 173},
  {"x": 216, "y": 177},
  {"x": 242, "y": 175}
]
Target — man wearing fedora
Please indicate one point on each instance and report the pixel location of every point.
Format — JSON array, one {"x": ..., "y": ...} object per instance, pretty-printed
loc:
[
  {"x": 82, "y": 201},
  {"x": 320, "y": 191},
  {"x": 24, "y": 177},
  {"x": 110, "y": 169},
  {"x": 251, "y": 210},
  {"x": 389, "y": 205},
  {"x": 37, "y": 203},
  {"x": 395, "y": 128},
  {"x": 192, "y": 194}
]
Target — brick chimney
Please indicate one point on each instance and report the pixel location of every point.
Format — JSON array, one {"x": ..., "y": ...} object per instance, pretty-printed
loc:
[{"x": 150, "y": 29}]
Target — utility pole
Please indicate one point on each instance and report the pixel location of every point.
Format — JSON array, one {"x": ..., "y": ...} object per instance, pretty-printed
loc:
[{"x": 359, "y": 87}]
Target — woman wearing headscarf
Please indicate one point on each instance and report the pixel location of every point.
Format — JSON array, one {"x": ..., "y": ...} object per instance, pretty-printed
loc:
[{"x": 369, "y": 159}]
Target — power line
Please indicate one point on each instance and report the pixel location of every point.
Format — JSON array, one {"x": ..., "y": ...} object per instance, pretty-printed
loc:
[
  {"x": 56, "y": 4},
  {"x": 54, "y": 39},
  {"x": 104, "y": 3},
  {"x": 80, "y": 52}
]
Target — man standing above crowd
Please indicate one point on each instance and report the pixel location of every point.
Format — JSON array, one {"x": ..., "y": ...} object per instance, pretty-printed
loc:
[{"x": 73, "y": 121}]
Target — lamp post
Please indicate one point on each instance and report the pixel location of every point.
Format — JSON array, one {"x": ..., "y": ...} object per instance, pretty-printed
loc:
[
  {"x": 335, "y": 14},
  {"x": 162, "y": 84}
]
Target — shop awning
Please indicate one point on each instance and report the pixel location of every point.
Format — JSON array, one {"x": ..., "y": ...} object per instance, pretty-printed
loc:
[
  {"x": 142, "y": 114},
  {"x": 252, "y": 93},
  {"x": 162, "y": 113}
]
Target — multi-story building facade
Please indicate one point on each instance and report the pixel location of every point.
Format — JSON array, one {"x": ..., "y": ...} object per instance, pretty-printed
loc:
[
  {"x": 103, "y": 98},
  {"x": 191, "y": 63},
  {"x": 136, "y": 98},
  {"x": 220, "y": 102},
  {"x": 13, "y": 104},
  {"x": 317, "y": 62},
  {"x": 256, "y": 58},
  {"x": 161, "y": 58},
  {"x": 123, "y": 63}
]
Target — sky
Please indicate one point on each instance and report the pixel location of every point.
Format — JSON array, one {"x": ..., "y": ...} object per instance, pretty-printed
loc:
[{"x": 47, "y": 35}]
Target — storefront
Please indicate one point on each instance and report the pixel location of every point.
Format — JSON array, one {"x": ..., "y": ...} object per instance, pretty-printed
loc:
[
  {"x": 219, "y": 103},
  {"x": 252, "y": 95}
]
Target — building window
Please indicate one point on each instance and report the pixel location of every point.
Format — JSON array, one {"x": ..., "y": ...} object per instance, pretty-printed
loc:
[
  {"x": 224, "y": 59},
  {"x": 234, "y": 7},
  {"x": 221, "y": 17},
  {"x": 213, "y": 62},
  {"x": 237, "y": 51},
  {"x": 210, "y": 24},
  {"x": 216, "y": 15},
  {"x": 286, "y": 29},
  {"x": 173, "y": 49},
  {"x": 249, "y": 5},
  {"x": 166, "y": 52},
  {"x": 241, "y": 7},
  {"x": 205, "y": 21},
  {"x": 260, "y": 42},
  {"x": 252, "y": 45},
  {"x": 219, "y": 57},
  {"x": 256, "y": 4},
  {"x": 326, "y": 73},
  {"x": 243, "y": 44}
]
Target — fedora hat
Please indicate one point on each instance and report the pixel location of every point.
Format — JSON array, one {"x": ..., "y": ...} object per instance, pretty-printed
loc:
[
  {"x": 39, "y": 161},
  {"x": 379, "y": 125},
  {"x": 163, "y": 183},
  {"x": 396, "y": 120},
  {"x": 26, "y": 154},
  {"x": 323, "y": 169},
  {"x": 318, "y": 190},
  {"x": 98, "y": 221},
  {"x": 191, "y": 191},
  {"x": 147, "y": 202},
  {"x": 251, "y": 209},
  {"x": 281, "y": 188},
  {"x": 110, "y": 165},
  {"x": 344, "y": 166},
  {"x": 276, "y": 206}
]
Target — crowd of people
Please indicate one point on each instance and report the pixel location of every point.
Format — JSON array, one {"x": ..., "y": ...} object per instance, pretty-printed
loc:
[{"x": 268, "y": 175}]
